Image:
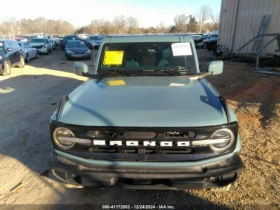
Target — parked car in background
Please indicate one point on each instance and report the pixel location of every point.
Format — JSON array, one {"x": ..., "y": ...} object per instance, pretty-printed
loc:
[
  {"x": 21, "y": 39},
  {"x": 28, "y": 52},
  {"x": 95, "y": 40},
  {"x": 51, "y": 43},
  {"x": 77, "y": 49},
  {"x": 10, "y": 56},
  {"x": 82, "y": 36},
  {"x": 89, "y": 45},
  {"x": 41, "y": 44},
  {"x": 211, "y": 42},
  {"x": 198, "y": 40},
  {"x": 68, "y": 38},
  {"x": 205, "y": 36}
]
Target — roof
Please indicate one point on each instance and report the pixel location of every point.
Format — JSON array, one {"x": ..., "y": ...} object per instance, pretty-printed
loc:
[{"x": 148, "y": 38}]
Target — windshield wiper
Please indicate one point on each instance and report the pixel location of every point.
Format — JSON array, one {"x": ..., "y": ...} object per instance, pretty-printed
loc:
[
  {"x": 122, "y": 72},
  {"x": 172, "y": 72}
]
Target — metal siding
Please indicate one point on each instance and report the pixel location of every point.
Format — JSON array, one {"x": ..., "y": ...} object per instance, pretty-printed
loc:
[{"x": 250, "y": 14}]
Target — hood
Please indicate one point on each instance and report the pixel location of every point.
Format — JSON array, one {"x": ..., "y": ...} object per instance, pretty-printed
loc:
[
  {"x": 37, "y": 44},
  {"x": 144, "y": 102}
]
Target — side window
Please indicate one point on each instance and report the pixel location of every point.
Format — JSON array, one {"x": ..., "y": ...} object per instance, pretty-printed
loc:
[
  {"x": 6, "y": 45},
  {"x": 1, "y": 46},
  {"x": 26, "y": 45},
  {"x": 13, "y": 45}
]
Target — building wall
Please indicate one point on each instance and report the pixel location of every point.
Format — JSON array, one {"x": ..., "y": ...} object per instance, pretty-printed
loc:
[{"x": 240, "y": 21}]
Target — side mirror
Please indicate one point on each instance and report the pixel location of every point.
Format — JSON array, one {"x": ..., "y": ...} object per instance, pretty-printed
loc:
[
  {"x": 216, "y": 67},
  {"x": 80, "y": 68}
]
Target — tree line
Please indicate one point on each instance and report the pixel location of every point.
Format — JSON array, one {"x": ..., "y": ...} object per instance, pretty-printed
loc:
[{"x": 204, "y": 21}]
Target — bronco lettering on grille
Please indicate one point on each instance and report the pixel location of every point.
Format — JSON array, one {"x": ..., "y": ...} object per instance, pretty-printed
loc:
[{"x": 141, "y": 143}]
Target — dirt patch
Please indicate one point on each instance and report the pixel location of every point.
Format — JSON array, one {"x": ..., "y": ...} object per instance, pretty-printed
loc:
[{"x": 255, "y": 98}]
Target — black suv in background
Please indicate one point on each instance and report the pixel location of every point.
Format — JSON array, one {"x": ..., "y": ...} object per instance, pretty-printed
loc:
[{"x": 10, "y": 56}]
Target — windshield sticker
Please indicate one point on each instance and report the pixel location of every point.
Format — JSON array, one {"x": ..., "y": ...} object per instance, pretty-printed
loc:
[
  {"x": 181, "y": 49},
  {"x": 116, "y": 83},
  {"x": 113, "y": 58}
]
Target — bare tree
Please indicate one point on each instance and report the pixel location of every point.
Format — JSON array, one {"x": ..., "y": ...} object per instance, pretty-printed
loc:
[
  {"x": 181, "y": 23},
  {"x": 204, "y": 14},
  {"x": 96, "y": 26},
  {"x": 120, "y": 24},
  {"x": 132, "y": 24},
  {"x": 161, "y": 28},
  {"x": 216, "y": 21}
]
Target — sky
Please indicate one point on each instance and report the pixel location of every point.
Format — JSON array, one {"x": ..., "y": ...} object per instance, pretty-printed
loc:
[{"x": 82, "y": 12}]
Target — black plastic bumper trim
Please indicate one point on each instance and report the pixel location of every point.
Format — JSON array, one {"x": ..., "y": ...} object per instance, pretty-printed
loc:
[{"x": 193, "y": 177}]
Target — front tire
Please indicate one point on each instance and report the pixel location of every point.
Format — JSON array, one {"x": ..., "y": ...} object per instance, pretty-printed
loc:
[
  {"x": 7, "y": 68},
  {"x": 27, "y": 59},
  {"x": 21, "y": 62},
  {"x": 205, "y": 46}
]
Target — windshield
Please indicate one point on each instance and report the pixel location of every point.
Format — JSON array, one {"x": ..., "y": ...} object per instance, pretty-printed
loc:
[
  {"x": 38, "y": 40},
  {"x": 197, "y": 37},
  {"x": 67, "y": 38},
  {"x": 76, "y": 44},
  {"x": 214, "y": 36},
  {"x": 95, "y": 38},
  {"x": 148, "y": 56}
]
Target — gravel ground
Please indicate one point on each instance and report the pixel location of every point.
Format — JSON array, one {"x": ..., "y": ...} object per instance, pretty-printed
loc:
[{"x": 30, "y": 95}]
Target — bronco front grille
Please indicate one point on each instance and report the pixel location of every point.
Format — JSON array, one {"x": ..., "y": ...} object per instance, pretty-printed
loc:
[{"x": 143, "y": 144}]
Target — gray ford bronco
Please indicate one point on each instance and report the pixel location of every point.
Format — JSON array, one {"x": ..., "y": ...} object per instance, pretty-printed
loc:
[{"x": 146, "y": 118}]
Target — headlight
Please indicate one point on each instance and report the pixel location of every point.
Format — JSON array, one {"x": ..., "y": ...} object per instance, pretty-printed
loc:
[
  {"x": 63, "y": 132},
  {"x": 87, "y": 52},
  {"x": 227, "y": 139},
  {"x": 70, "y": 52}
]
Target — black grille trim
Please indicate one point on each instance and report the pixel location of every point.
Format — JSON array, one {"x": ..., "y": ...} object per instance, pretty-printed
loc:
[{"x": 148, "y": 153}]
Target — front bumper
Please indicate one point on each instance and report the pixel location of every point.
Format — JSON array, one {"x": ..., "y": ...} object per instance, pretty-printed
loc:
[
  {"x": 205, "y": 174},
  {"x": 79, "y": 56},
  {"x": 96, "y": 46},
  {"x": 43, "y": 50}
]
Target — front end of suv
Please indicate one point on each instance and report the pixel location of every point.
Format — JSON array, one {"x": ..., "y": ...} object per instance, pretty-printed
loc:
[
  {"x": 181, "y": 158},
  {"x": 133, "y": 127}
]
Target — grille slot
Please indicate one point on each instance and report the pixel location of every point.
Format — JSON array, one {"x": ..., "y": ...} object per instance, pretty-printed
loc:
[
  {"x": 139, "y": 135},
  {"x": 103, "y": 150},
  {"x": 174, "y": 134}
]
